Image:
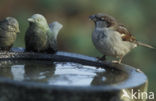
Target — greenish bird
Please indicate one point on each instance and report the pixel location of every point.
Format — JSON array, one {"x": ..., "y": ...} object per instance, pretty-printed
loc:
[
  {"x": 9, "y": 27},
  {"x": 41, "y": 37}
]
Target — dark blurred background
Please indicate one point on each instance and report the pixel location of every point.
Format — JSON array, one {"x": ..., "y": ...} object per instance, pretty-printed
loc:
[{"x": 138, "y": 15}]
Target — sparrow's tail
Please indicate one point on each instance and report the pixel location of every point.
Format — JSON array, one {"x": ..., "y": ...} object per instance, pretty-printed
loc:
[{"x": 145, "y": 45}]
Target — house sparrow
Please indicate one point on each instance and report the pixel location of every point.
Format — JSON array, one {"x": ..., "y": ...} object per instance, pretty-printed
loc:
[
  {"x": 41, "y": 37},
  {"x": 112, "y": 38},
  {"x": 9, "y": 28},
  {"x": 55, "y": 27}
]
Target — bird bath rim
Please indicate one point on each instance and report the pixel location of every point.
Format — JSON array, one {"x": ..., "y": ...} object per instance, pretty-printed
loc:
[{"x": 135, "y": 77}]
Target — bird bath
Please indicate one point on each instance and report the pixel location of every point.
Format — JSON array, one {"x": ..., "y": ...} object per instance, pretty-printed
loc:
[{"x": 65, "y": 77}]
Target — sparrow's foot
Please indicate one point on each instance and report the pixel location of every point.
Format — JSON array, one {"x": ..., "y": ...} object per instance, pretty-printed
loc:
[{"x": 116, "y": 62}]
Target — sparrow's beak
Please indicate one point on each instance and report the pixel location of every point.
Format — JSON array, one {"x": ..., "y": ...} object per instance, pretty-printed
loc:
[{"x": 30, "y": 19}]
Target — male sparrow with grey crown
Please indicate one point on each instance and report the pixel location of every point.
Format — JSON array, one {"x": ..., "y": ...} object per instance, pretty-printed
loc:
[{"x": 112, "y": 38}]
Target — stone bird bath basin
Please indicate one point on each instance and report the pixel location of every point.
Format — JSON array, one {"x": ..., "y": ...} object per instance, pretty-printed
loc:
[{"x": 66, "y": 77}]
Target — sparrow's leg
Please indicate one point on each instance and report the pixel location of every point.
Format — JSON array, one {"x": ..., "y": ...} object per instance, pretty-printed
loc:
[{"x": 119, "y": 61}]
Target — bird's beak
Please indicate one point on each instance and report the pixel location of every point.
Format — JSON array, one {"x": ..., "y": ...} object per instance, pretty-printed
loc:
[{"x": 30, "y": 19}]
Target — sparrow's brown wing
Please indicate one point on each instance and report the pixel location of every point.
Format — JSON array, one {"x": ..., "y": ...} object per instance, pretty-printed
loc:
[{"x": 125, "y": 34}]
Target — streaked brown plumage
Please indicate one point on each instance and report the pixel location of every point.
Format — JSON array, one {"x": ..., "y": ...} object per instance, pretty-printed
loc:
[
  {"x": 126, "y": 36},
  {"x": 112, "y": 38}
]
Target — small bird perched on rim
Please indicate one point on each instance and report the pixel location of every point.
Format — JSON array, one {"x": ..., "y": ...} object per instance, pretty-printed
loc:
[
  {"x": 39, "y": 36},
  {"x": 9, "y": 27},
  {"x": 112, "y": 38}
]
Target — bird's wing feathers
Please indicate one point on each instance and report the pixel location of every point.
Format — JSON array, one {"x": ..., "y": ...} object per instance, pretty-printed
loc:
[{"x": 125, "y": 34}]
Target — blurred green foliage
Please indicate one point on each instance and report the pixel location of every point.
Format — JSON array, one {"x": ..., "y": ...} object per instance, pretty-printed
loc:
[{"x": 138, "y": 15}]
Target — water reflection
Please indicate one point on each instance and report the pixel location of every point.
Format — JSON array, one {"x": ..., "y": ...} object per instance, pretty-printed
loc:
[
  {"x": 18, "y": 72},
  {"x": 73, "y": 74},
  {"x": 39, "y": 71},
  {"x": 59, "y": 73}
]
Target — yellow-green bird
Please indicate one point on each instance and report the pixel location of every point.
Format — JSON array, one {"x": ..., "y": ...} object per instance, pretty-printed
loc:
[
  {"x": 41, "y": 37},
  {"x": 9, "y": 27}
]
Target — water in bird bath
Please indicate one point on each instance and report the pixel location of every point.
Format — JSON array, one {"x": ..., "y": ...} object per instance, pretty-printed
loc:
[{"x": 60, "y": 73}]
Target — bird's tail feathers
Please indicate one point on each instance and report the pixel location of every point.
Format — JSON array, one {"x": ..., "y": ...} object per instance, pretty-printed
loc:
[{"x": 145, "y": 45}]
